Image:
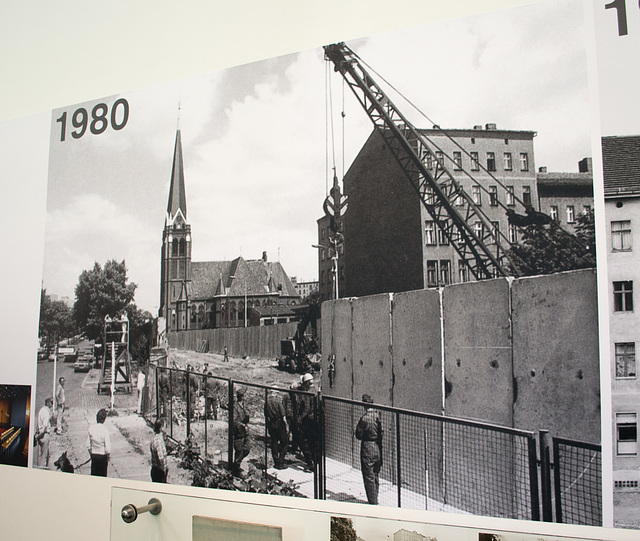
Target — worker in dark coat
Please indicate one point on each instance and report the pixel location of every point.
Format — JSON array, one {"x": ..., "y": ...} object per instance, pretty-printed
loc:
[
  {"x": 241, "y": 443},
  {"x": 306, "y": 419},
  {"x": 369, "y": 432},
  {"x": 277, "y": 426},
  {"x": 212, "y": 397}
]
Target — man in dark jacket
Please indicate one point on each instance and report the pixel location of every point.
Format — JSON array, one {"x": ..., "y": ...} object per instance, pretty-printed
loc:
[
  {"x": 369, "y": 432},
  {"x": 241, "y": 443}
]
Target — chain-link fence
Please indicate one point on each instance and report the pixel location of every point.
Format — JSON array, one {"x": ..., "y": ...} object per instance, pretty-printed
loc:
[
  {"x": 432, "y": 462},
  {"x": 578, "y": 482},
  {"x": 427, "y": 461}
]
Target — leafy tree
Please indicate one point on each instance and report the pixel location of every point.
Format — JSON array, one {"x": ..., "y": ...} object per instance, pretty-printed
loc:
[
  {"x": 547, "y": 248},
  {"x": 56, "y": 320},
  {"x": 101, "y": 291},
  {"x": 342, "y": 529},
  {"x": 140, "y": 331}
]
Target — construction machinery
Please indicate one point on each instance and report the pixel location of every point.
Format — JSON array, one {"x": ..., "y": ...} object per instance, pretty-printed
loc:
[
  {"x": 301, "y": 353},
  {"x": 485, "y": 251},
  {"x": 115, "y": 375}
]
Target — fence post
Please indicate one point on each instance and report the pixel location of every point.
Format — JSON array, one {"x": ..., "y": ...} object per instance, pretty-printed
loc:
[
  {"x": 398, "y": 456},
  {"x": 556, "y": 478},
  {"x": 230, "y": 437},
  {"x": 266, "y": 435},
  {"x": 533, "y": 478},
  {"x": 545, "y": 474}
]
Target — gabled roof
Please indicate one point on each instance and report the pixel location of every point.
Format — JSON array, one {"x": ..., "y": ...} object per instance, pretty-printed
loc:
[
  {"x": 621, "y": 165},
  {"x": 177, "y": 192},
  {"x": 233, "y": 278}
]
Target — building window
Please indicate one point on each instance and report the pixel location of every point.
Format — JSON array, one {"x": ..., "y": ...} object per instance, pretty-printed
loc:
[
  {"x": 432, "y": 273},
  {"x": 477, "y": 229},
  {"x": 626, "y": 360},
  {"x": 495, "y": 231},
  {"x": 445, "y": 272},
  {"x": 459, "y": 198},
  {"x": 476, "y": 195},
  {"x": 440, "y": 158},
  {"x": 526, "y": 195},
  {"x": 457, "y": 160},
  {"x": 553, "y": 213},
  {"x": 508, "y": 163},
  {"x": 511, "y": 198},
  {"x": 513, "y": 234},
  {"x": 463, "y": 270},
  {"x": 475, "y": 162},
  {"x": 429, "y": 233},
  {"x": 626, "y": 434},
  {"x": 571, "y": 214},
  {"x": 429, "y": 162},
  {"x": 621, "y": 236},
  {"x": 443, "y": 240},
  {"x": 623, "y": 296},
  {"x": 493, "y": 196},
  {"x": 429, "y": 196},
  {"x": 586, "y": 209},
  {"x": 491, "y": 161},
  {"x": 524, "y": 161}
]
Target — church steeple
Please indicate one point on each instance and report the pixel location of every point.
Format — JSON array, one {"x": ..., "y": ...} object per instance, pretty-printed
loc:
[
  {"x": 177, "y": 193},
  {"x": 175, "y": 288}
]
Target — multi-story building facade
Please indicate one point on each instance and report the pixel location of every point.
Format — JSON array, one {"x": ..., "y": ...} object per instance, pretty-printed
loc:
[
  {"x": 392, "y": 244},
  {"x": 565, "y": 196},
  {"x": 209, "y": 294},
  {"x": 621, "y": 167},
  {"x": 304, "y": 289}
]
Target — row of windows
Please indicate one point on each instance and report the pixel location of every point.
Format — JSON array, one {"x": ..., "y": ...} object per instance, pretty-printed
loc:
[
  {"x": 492, "y": 191},
  {"x": 434, "y": 236},
  {"x": 490, "y": 160},
  {"x": 570, "y": 212},
  {"x": 439, "y": 272}
]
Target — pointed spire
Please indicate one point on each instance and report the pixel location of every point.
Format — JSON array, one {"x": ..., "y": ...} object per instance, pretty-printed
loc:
[{"x": 177, "y": 193}]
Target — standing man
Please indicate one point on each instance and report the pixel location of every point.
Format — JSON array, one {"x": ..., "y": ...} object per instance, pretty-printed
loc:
[
  {"x": 43, "y": 433},
  {"x": 99, "y": 445},
  {"x": 276, "y": 418},
  {"x": 212, "y": 397},
  {"x": 306, "y": 419},
  {"x": 60, "y": 402},
  {"x": 140, "y": 387},
  {"x": 159, "y": 465},
  {"x": 241, "y": 443},
  {"x": 226, "y": 355},
  {"x": 369, "y": 432}
]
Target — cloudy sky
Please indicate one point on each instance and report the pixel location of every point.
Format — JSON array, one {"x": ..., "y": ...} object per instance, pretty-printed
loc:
[{"x": 257, "y": 157}]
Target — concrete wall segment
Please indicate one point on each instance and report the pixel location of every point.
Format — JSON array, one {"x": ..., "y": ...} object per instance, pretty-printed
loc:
[
  {"x": 417, "y": 351},
  {"x": 477, "y": 351},
  {"x": 555, "y": 353}
]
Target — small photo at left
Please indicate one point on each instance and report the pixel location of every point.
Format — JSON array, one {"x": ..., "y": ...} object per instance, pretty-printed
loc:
[{"x": 15, "y": 413}]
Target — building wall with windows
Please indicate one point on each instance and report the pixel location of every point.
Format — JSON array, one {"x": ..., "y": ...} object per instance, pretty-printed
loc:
[
  {"x": 565, "y": 196},
  {"x": 621, "y": 164},
  {"x": 391, "y": 242}
]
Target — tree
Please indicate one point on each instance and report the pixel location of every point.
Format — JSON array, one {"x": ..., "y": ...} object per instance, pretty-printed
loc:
[
  {"x": 547, "y": 248},
  {"x": 56, "y": 320},
  {"x": 342, "y": 529},
  {"x": 140, "y": 330},
  {"x": 101, "y": 291}
]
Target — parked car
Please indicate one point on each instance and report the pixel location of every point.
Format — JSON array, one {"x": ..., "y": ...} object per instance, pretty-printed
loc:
[{"x": 83, "y": 363}]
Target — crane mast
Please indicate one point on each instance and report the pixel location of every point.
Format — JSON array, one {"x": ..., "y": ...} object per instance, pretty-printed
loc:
[{"x": 480, "y": 248}]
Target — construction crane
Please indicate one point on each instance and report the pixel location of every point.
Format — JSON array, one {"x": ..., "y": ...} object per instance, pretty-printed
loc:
[{"x": 484, "y": 251}]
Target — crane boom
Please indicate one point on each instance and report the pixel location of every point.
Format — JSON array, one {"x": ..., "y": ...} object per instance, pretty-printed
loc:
[{"x": 480, "y": 248}]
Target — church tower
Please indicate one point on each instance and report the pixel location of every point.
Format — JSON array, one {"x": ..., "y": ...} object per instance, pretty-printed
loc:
[{"x": 175, "y": 281}]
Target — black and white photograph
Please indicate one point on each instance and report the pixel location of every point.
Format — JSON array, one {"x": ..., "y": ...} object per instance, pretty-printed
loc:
[
  {"x": 618, "y": 39},
  {"x": 360, "y": 273}
]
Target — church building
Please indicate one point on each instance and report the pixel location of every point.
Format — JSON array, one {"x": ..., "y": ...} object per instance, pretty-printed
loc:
[{"x": 212, "y": 294}]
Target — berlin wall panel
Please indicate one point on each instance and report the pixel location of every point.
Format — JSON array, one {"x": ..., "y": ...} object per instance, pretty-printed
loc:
[
  {"x": 371, "y": 342},
  {"x": 336, "y": 340},
  {"x": 477, "y": 367},
  {"x": 417, "y": 351},
  {"x": 556, "y": 361}
]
